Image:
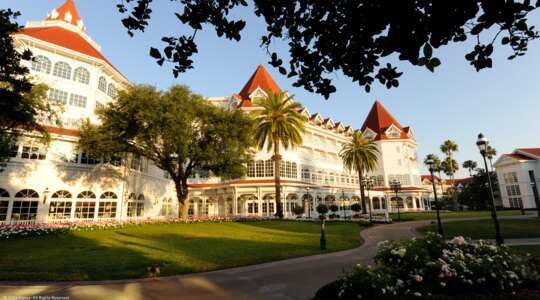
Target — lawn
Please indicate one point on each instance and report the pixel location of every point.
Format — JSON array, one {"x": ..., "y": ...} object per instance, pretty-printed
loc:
[
  {"x": 484, "y": 229},
  {"x": 414, "y": 216},
  {"x": 533, "y": 250},
  {"x": 176, "y": 248}
]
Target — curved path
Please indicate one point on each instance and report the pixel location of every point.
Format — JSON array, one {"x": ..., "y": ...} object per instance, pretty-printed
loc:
[{"x": 296, "y": 278}]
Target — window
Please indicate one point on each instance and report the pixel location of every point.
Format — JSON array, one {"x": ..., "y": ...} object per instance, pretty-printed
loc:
[
  {"x": 513, "y": 190},
  {"x": 58, "y": 96},
  {"x": 166, "y": 207},
  {"x": 14, "y": 150},
  {"x": 102, "y": 84},
  {"x": 259, "y": 168},
  {"x": 306, "y": 175},
  {"x": 42, "y": 64},
  {"x": 253, "y": 208},
  {"x": 515, "y": 202},
  {"x": 86, "y": 205},
  {"x": 33, "y": 150},
  {"x": 4, "y": 203},
  {"x": 81, "y": 75},
  {"x": 269, "y": 168},
  {"x": 60, "y": 206},
  {"x": 107, "y": 210},
  {"x": 77, "y": 100},
  {"x": 510, "y": 177},
  {"x": 111, "y": 91},
  {"x": 88, "y": 159},
  {"x": 25, "y": 205},
  {"x": 251, "y": 169},
  {"x": 62, "y": 70},
  {"x": 135, "y": 206}
]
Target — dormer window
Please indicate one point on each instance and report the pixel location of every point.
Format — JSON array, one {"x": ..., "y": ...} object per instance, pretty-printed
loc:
[
  {"x": 369, "y": 134},
  {"x": 257, "y": 94},
  {"x": 393, "y": 132}
]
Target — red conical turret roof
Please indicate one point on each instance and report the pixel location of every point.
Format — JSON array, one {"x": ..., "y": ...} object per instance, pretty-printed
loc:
[
  {"x": 379, "y": 120},
  {"x": 260, "y": 79},
  {"x": 66, "y": 12}
]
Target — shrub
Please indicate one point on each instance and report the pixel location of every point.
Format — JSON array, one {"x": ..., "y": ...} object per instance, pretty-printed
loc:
[
  {"x": 298, "y": 210},
  {"x": 422, "y": 267},
  {"x": 334, "y": 208},
  {"x": 322, "y": 209},
  {"x": 356, "y": 207}
]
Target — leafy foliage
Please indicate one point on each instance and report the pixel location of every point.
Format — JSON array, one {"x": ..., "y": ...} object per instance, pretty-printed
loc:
[
  {"x": 322, "y": 209},
  {"x": 354, "y": 37},
  {"x": 22, "y": 104},
  {"x": 470, "y": 165},
  {"x": 433, "y": 266},
  {"x": 475, "y": 194},
  {"x": 177, "y": 130}
]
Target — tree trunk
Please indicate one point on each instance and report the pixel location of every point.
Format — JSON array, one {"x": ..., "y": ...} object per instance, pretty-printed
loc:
[
  {"x": 362, "y": 194},
  {"x": 182, "y": 196},
  {"x": 277, "y": 180}
]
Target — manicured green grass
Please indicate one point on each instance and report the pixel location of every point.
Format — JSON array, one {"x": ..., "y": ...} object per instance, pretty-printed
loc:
[
  {"x": 176, "y": 248},
  {"x": 484, "y": 229},
  {"x": 414, "y": 216}
]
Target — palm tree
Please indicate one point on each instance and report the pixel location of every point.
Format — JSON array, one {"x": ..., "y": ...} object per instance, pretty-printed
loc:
[
  {"x": 490, "y": 154},
  {"x": 436, "y": 168},
  {"x": 448, "y": 148},
  {"x": 278, "y": 123},
  {"x": 449, "y": 166},
  {"x": 471, "y": 165},
  {"x": 360, "y": 155}
]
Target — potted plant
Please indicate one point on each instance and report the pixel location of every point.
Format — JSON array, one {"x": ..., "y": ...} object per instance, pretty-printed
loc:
[
  {"x": 356, "y": 208},
  {"x": 334, "y": 208},
  {"x": 322, "y": 209},
  {"x": 299, "y": 211}
]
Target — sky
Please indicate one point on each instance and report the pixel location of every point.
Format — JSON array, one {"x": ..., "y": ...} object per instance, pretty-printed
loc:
[{"x": 455, "y": 102}]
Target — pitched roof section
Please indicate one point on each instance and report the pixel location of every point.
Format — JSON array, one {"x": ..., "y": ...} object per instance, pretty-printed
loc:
[
  {"x": 64, "y": 38},
  {"x": 532, "y": 151},
  {"x": 68, "y": 13},
  {"x": 260, "y": 79},
  {"x": 518, "y": 156},
  {"x": 379, "y": 120}
]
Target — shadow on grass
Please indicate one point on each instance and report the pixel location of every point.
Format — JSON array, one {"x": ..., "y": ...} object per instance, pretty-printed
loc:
[{"x": 117, "y": 254}]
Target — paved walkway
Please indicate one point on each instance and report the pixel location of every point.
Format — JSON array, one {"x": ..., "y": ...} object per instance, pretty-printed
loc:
[{"x": 297, "y": 278}]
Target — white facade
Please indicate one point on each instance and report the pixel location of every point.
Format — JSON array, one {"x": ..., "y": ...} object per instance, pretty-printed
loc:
[
  {"x": 58, "y": 182},
  {"x": 518, "y": 174}
]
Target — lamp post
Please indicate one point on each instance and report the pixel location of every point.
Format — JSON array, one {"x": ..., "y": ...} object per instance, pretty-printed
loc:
[
  {"x": 483, "y": 145},
  {"x": 396, "y": 187},
  {"x": 308, "y": 201},
  {"x": 430, "y": 163},
  {"x": 45, "y": 195},
  {"x": 368, "y": 184}
]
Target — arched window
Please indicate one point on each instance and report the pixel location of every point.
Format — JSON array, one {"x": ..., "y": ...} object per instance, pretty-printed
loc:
[
  {"x": 135, "y": 206},
  {"x": 81, "y": 75},
  {"x": 62, "y": 70},
  {"x": 4, "y": 203},
  {"x": 102, "y": 84},
  {"x": 108, "y": 195},
  {"x": 41, "y": 63},
  {"x": 25, "y": 205},
  {"x": 111, "y": 90},
  {"x": 60, "y": 206},
  {"x": 27, "y": 193},
  {"x": 107, "y": 206},
  {"x": 86, "y": 205}
]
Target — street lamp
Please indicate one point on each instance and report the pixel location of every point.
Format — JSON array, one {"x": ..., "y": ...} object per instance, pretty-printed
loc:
[
  {"x": 45, "y": 195},
  {"x": 483, "y": 145},
  {"x": 396, "y": 187},
  {"x": 368, "y": 185},
  {"x": 430, "y": 163},
  {"x": 308, "y": 201}
]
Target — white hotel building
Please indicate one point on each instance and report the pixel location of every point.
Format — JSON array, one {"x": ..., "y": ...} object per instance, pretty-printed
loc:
[{"x": 59, "y": 182}]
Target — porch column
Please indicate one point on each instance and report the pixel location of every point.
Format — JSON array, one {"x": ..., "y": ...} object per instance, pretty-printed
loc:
[{"x": 235, "y": 202}]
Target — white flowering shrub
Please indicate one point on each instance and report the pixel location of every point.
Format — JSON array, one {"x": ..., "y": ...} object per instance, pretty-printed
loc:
[{"x": 433, "y": 266}]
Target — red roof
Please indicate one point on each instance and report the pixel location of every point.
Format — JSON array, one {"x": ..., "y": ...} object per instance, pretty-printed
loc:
[
  {"x": 67, "y": 12},
  {"x": 260, "y": 79},
  {"x": 533, "y": 151},
  {"x": 428, "y": 177},
  {"x": 518, "y": 156},
  {"x": 379, "y": 120}
]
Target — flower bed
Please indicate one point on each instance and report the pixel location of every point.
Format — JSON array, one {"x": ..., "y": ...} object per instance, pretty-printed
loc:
[
  {"x": 432, "y": 266},
  {"x": 9, "y": 231}
]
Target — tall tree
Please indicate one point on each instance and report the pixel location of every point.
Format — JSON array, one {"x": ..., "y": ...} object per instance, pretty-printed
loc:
[
  {"x": 490, "y": 154},
  {"x": 475, "y": 193},
  {"x": 177, "y": 130},
  {"x": 354, "y": 37},
  {"x": 361, "y": 155},
  {"x": 448, "y": 148},
  {"x": 470, "y": 165},
  {"x": 278, "y": 123},
  {"x": 22, "y": 104}
]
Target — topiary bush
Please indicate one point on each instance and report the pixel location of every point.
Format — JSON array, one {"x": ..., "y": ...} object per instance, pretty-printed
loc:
[{"x": 432, "y": 266}]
